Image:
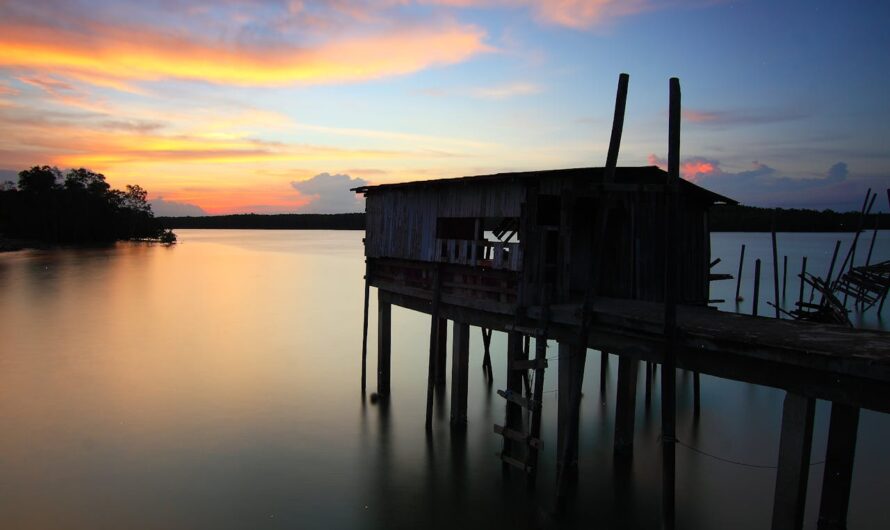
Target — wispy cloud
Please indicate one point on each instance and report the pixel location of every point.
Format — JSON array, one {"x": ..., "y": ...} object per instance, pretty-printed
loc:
[
  {"x": 506, "y": 91},
  {"x": 740, "y": 117},
  {"x": 124, "y": 54}
]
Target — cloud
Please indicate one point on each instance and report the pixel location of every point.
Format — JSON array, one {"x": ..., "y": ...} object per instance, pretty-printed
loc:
[
  {"x": 165, "y": 208},
  {"x": 106, "y": 53},
  {"x": 330, "y": 193},
  {"x": 740, "y": 117},
  {"x": 576, "y": 14},
  {"x": 506, "y": 91},
  {"x": 762, "y": 185}
]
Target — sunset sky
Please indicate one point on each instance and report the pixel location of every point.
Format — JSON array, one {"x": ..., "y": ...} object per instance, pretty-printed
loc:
[{"x": 274, "y": 106}]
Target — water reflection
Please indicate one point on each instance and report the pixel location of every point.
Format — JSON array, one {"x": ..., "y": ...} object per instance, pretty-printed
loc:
[{"x": 212, "y": 385}]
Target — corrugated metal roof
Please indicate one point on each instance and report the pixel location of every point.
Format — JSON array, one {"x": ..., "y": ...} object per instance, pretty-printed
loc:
[{"x": 593, "y": 175}]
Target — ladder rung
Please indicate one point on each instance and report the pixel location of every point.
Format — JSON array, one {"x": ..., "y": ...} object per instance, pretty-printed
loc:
[
  {"x": 529, "y": 364},
  {"x": 506, "y": 432},
  {"x": 516, "y": 463},
  {"x": 519, "y": 400}
]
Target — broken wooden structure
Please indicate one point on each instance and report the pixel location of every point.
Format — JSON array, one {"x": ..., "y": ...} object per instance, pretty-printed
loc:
[{"x": 616, "y": 259}]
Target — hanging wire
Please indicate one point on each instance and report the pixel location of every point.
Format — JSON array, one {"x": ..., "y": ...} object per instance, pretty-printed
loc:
[{"x": 735, "y": 462}]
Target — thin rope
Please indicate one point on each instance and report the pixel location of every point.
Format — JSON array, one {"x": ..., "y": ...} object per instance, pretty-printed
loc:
[{"x": 736, "y": 462}]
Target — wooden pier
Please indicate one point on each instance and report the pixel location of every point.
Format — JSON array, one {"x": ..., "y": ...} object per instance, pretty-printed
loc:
[{"x": 615, "y": 259}]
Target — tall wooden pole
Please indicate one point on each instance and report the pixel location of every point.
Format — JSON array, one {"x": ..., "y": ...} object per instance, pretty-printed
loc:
[
  {"x": 434, "y": 346},
  {"x": 756, "y": 287},
  {"x": 668, "y": 372},
  {"x": 617, "y": 128}
]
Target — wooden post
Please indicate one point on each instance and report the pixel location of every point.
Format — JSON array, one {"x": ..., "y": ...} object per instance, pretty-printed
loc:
[
  {"x": 625, "y": 406},
  {"x": 570, "y": 380},
  {"x": 756, "y": 286},
  {"x": 384, "y": 344},
  {"x": 648, "y": 384},
  {"x": 365, "y": 326},
  {"x": 617, "y": 128},
  {"x": 460, "y": 362},
  {"x": 837, "y": 247},
  {"x": 775, "y": 271},
  {"x": 738, "y": 283},
  {"x": 794, "y": 462},
  {"x": 486, "y": 345},
  {"x": 838, "y": 476},
  {"x": 441, "y": 351},
  {"x": 784, "y": 275},
  {"x": 668, "y": 371},
  {"x": 803, "y": 273},
  {"x": 435, "y": 286},
  {"x": 604, "y": 371},
  {"x": 696, "y": 394}
]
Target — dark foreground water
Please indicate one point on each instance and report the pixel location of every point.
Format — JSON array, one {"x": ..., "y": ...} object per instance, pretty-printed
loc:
[{"x": 215, "y": 384}]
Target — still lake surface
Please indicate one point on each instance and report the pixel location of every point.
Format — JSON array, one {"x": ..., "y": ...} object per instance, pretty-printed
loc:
[{"x": 215, "y": 384}]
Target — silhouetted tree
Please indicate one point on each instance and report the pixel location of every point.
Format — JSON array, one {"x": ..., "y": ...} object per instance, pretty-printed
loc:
[{"x": 39, "y": 179}]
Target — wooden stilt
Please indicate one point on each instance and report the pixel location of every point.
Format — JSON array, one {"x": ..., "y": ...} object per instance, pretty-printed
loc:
[
  {"x": 365, "y": 327},
  {"x": 794, "y": 462},
  {"x": 570, "y": 380},
  {"x": 696, "y": 394},
  {"x": 838, "y": 475},
  {"x": 604, "y": 370},
  {"x": 486, "y": 345},
  {"x": 625, "y": 406},
  {"x": 384, "y": 344},
  {"x": 648, "y": 384},
  {"x": 460, "y": 361},
  {"x": 441, "y": 351},
  {"x": 434, "y": 345}
]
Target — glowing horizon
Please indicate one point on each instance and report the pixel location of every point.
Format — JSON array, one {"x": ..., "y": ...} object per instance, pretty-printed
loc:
[{"x": 228, "y": 106}]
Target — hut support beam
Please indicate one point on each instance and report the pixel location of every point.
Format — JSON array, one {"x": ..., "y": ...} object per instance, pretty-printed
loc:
[
  {"x": 794, "y": 462},
  {"x": 460, "y": 363},
  {"x": 384, "y": 346},
  {"x": 570, "y": 379},
  {"x": 441, "y": 351},
  {"x": 838, "y": 474},
  {"x": 625, "y": 406},
  {"x": 514, "y": 386}
]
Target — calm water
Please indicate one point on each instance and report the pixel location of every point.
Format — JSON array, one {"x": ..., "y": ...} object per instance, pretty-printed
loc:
[{"x": 215, "y": 384}]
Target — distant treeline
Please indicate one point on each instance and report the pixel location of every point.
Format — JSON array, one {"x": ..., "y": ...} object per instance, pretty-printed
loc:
[
  {"x": 306, "y": 221},
  {"x": 726, "y": 218},
  {"x": 723, "y": 219},
  {"x": 78, "y": 207}
]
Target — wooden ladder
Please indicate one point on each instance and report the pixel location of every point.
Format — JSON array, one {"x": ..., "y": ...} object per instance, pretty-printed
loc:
[{"x": 521, "y": 446}]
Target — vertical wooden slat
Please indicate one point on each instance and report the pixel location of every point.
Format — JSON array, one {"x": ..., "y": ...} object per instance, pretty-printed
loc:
[{"x": 794, "y": 462}]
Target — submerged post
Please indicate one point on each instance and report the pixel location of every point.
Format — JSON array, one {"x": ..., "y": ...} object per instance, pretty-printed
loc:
[
  {"x": 384, "y": 344},
  {"x": 794, "y": 462},
  {"x": 738, "y": 283},
  {"x": 803, "y": 273},
  {"x": 838, "y": 476},
  {"x": 775, "y": 270},
  {"x": 365, "y": 326},
  {"x": 460, "y": 363},
  {"x": 784, "y": 275},
  {"x": 625, "y": 406},
  {"x": 486, "y": 346},
  {"x": 756, "y": 287},
  {"x": 441, "y": 351},
  {"x": 434, "y": 345},
  {"x": 570, "y": 379}
]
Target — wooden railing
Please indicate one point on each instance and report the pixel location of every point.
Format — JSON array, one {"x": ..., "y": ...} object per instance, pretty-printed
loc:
[{"x": 482, "y": 253}]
